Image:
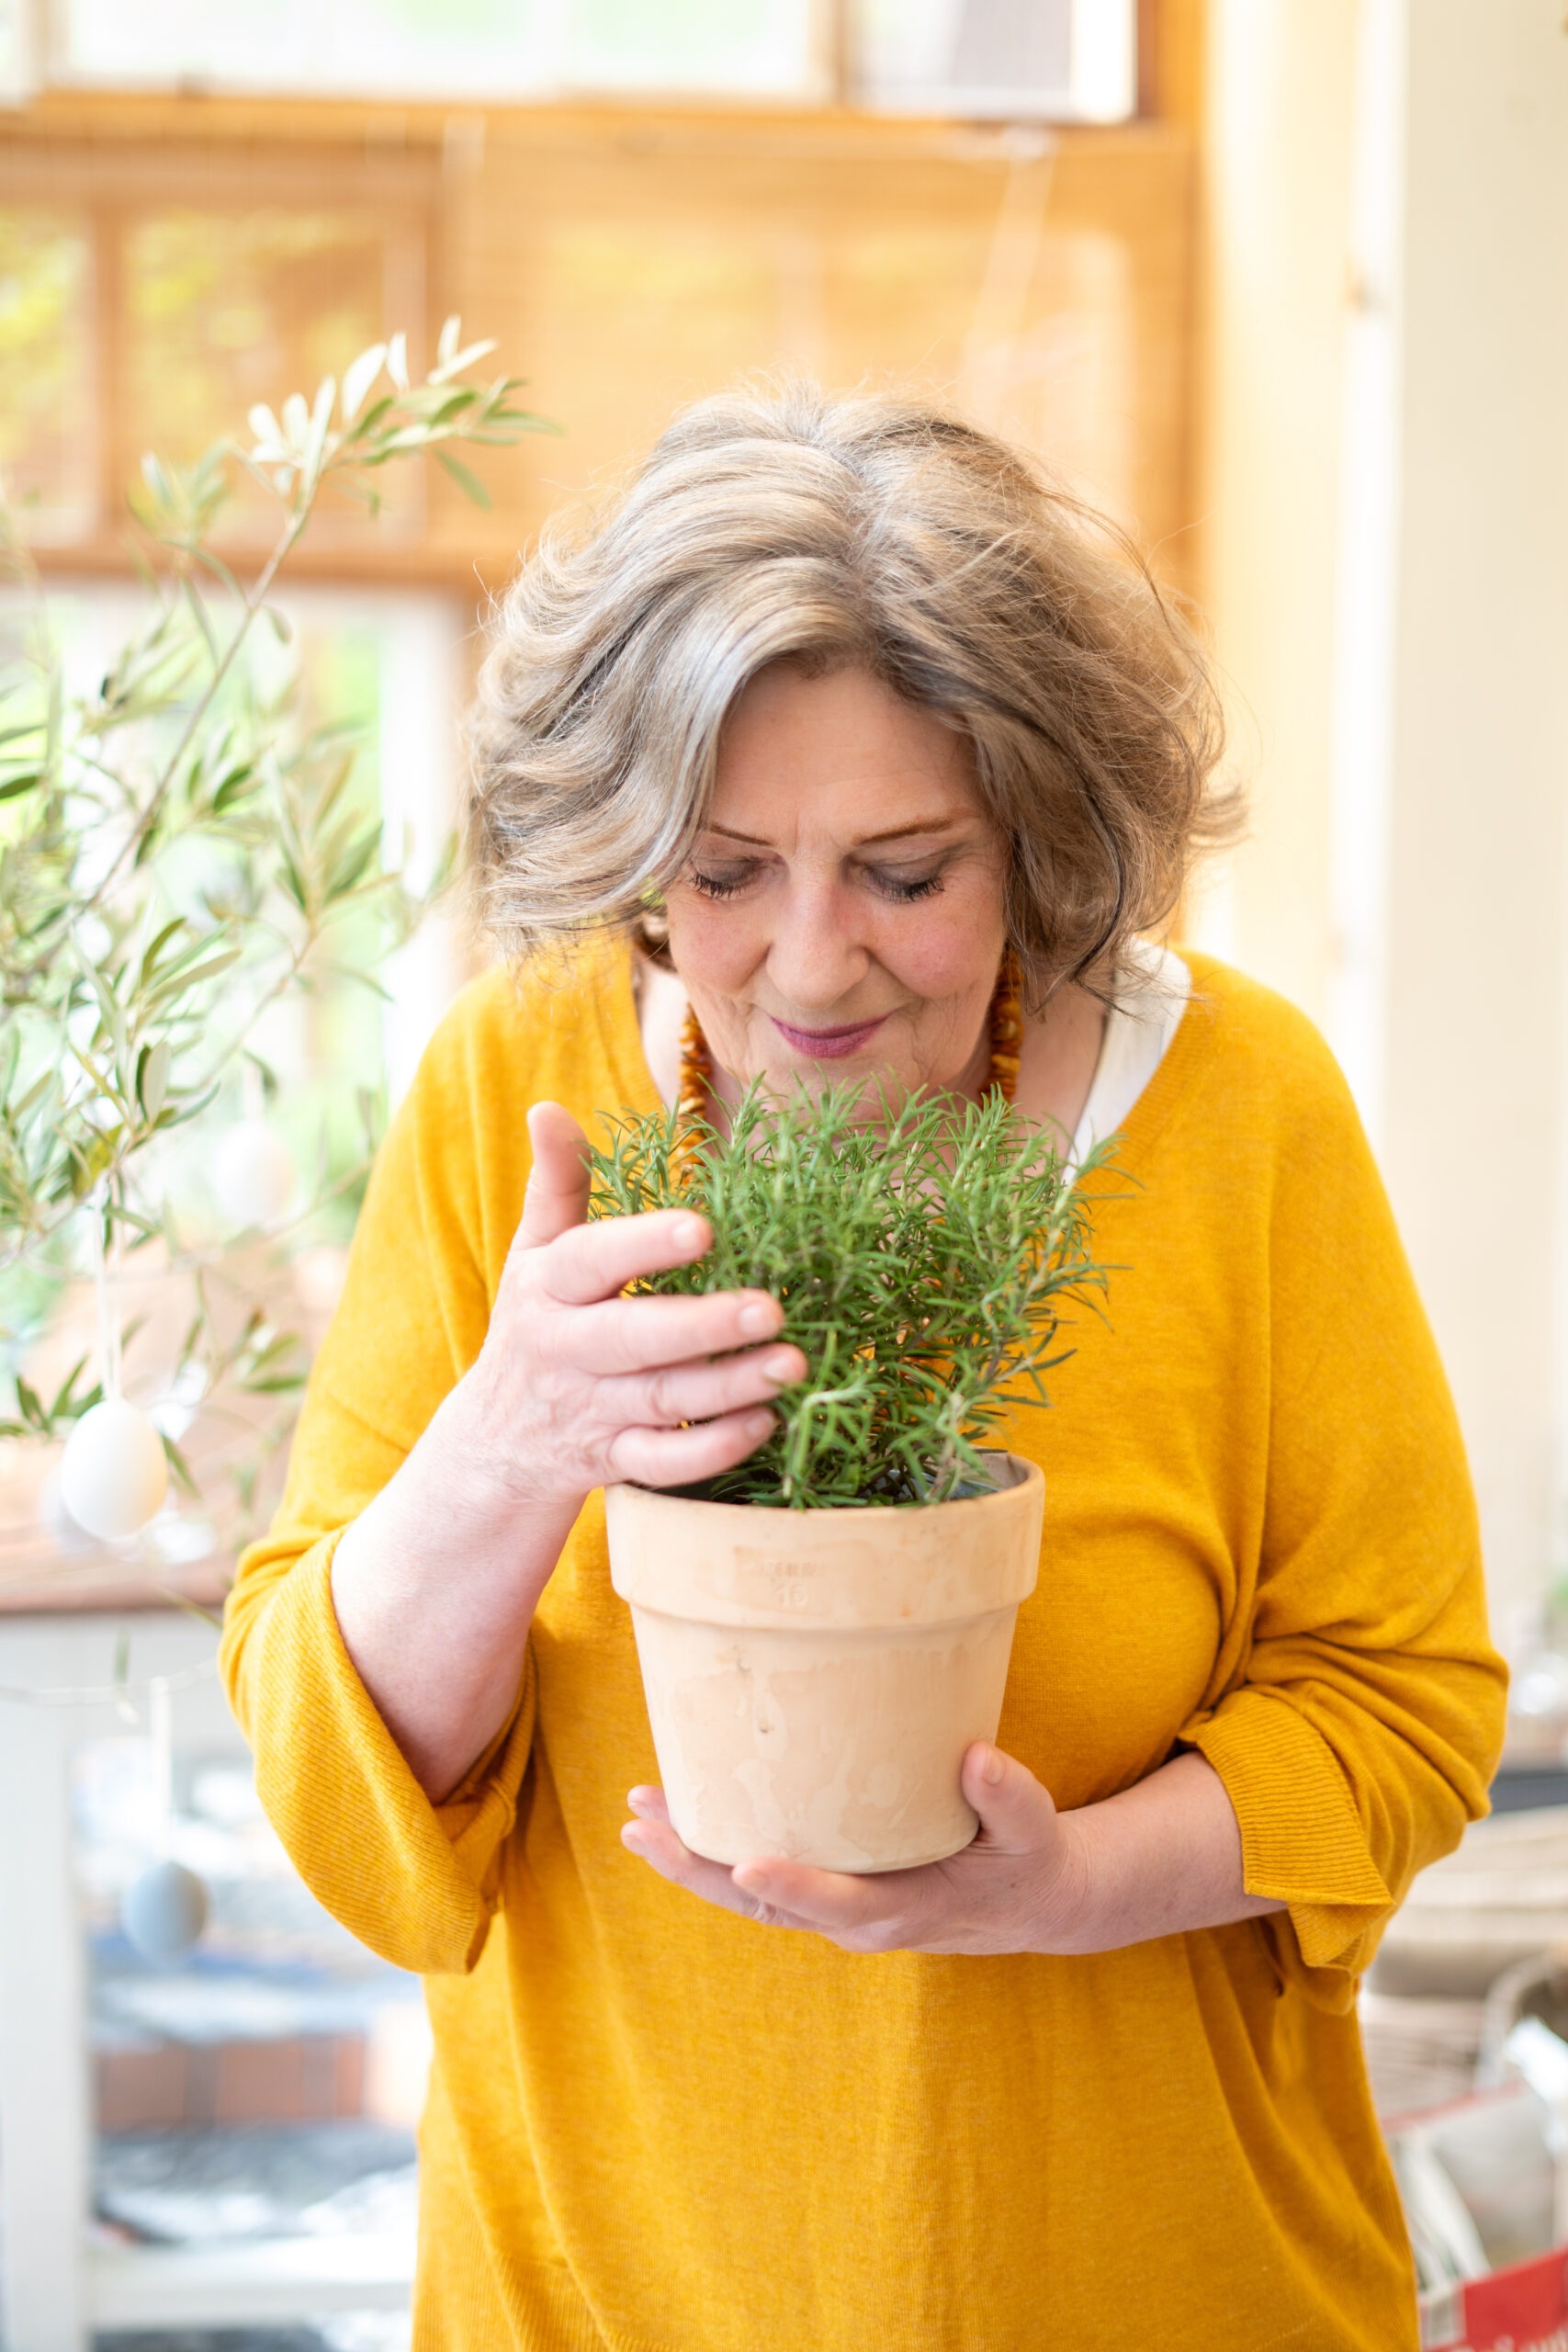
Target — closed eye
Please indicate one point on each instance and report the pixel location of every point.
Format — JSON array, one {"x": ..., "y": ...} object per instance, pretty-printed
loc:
[
  {"x": 720, "y": 886},
  {"x": 902, "y": 889}
]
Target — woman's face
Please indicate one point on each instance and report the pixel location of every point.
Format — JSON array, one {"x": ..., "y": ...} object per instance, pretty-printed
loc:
[{"x": 842, "y": 913}]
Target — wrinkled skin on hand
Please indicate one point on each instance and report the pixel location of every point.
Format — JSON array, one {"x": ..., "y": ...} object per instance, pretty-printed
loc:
[
  {"x": 1020, "y": 1885},
  {"x": 577, "y": 1386}
]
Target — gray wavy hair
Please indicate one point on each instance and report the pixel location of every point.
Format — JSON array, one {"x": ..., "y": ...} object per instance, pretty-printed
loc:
[{"x": 789, "y": 527}]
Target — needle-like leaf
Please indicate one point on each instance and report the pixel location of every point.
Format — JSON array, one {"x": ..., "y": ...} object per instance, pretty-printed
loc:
[{"x": 924, "y": 1257}]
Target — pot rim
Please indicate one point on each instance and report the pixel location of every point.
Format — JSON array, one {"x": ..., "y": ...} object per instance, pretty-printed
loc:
[
  {"x": 866, "y": 1515},
  {"x": 749, "y": 1565}
]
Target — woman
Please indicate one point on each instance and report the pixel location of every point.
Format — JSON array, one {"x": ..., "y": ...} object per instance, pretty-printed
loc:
[{"x": 847, "y": 719}]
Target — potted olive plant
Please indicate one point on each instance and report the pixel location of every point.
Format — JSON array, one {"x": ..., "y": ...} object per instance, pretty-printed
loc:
[{"x": 823, "y": 1630}]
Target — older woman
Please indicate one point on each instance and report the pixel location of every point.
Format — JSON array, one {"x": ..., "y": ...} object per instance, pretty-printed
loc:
[{"x": 845, "y": 719}]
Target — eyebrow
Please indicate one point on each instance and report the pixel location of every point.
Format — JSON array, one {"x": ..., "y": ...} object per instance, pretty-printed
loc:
[{"x": 868, "y": 840}]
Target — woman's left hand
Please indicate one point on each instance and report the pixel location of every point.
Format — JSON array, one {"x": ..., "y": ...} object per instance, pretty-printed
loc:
[{"x": 1020, "y": 1886}]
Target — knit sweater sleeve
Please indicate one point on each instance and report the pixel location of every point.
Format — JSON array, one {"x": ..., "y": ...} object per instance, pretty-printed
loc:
[
  {"x": 415, "y": 1881},
  {"x": 1362, "y": 1712}
]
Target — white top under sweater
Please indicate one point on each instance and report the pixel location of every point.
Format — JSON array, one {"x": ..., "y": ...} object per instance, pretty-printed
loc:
[{"x": 1151, "y": 998}]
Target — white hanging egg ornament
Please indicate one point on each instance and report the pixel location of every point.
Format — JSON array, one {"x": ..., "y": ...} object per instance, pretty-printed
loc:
[
  {"x": 114, "y": 1472},
  {"x": 254, "y": 1176},
  {"x": 165, "y": 1911}
]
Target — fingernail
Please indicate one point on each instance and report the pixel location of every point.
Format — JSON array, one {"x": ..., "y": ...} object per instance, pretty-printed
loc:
[
  {"x": 759, "y": 1424},
  {"x": 631, "y": 1835},
  {"x": 690, "y": 1233},
  {"x": 781, "y": 1365},
  {"x": 760, "y": 1320},
  {"x": 749, "y": 1877},
  {"x": 993, "y": 1768}
]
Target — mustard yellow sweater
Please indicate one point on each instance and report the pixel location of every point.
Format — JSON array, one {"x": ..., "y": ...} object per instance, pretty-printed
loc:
[{"x": 656, "y": 2126}]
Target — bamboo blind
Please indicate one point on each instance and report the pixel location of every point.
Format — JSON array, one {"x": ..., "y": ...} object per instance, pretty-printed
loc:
[{"x": 181, "y": 259}]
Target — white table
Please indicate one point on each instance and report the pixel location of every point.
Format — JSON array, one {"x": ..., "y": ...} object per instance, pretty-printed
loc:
[{"x": 57, "y": 2286}]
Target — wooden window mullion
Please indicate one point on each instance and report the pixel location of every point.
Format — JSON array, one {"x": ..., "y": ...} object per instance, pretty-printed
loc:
[{"x": 108, "y": 401}]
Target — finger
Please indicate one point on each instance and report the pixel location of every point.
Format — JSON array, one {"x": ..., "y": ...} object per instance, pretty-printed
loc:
[
  {"x": 881, "y": 1906},
  {"x": 701, "y": 1392},
  {"x": 590, "y": 1262},
  {"x": 1016, "y": 1813},
  {"x": 682, "y": 1457},
  {"x": 557, "y": 1195},
  {"x": 656, "y": 1843},
  {"x": 623, "y": 1335}
]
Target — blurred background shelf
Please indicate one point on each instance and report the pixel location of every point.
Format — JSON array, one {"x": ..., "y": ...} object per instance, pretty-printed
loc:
[
  {"x": 268, "y": 2283},
  {"x": 220, "y": 2143}
]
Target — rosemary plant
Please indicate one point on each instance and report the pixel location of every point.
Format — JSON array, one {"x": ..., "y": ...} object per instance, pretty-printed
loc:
[{"x": 922, "y": 1261}]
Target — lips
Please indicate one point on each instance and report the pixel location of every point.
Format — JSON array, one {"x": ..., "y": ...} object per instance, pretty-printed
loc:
[{"x": 829, "y": 1045}]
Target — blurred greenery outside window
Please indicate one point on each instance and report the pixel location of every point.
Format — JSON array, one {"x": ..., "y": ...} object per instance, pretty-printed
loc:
[
  {"x": 48, "y": 425},
  {"x": 380, "y": 671},
  {"x": 212, "y": 309},
  {"x": 216, "y": 309},
  {"x": 221, "y": 307},
  {"x": 384, "y": 667},
  {"x": 1063, "y": 59}
]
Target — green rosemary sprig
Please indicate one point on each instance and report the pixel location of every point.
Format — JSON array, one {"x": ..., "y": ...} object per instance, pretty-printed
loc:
[{"x": 923, "y": 1263}]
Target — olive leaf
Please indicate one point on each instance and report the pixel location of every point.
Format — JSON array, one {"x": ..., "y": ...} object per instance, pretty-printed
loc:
[{"x": 130, "y": 1000}]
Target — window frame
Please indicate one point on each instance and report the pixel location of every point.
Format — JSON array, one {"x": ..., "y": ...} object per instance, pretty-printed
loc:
[
  {"x": 432, "y": 162},
  {"x": 40, "y": 61}
]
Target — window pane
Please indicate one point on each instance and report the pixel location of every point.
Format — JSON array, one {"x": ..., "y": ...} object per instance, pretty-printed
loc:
[
  {"x": 760, "y": 47},
  {"x": 1071, "y": 59},
  {"x": 225, "y": 309},
  {"x": 20, "y": 33},
  {"x": 423, "y": 47},
  {"x": 47, "y": 425},
  {"x": 430, "y": 48},
  {"x": 478, "y": 48}
]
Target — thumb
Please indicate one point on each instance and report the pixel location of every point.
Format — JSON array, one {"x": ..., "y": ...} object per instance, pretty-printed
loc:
[
  {"x": 1016, "y": 1814},
  {"x": 557, "y": 1197}
]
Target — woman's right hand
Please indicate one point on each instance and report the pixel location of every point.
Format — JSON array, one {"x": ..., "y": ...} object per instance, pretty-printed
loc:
[
  {"x": 577, "y": 1386},
  {"x": 435, "y": 1583}
]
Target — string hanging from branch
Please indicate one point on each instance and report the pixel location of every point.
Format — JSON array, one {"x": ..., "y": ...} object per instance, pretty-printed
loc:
[
  {"x": 166, "y": 1906},
  {"x": 115, "y": 1473}
]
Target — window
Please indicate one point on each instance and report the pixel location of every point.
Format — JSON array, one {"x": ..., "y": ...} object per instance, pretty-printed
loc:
[
  {"x": 150, "y": 305},
  {"x": 1063, "y": 60},
  {"x": 181, "y": 263},
  {"x": 220, "y": 304},
  {"x": 496, "y": 49}
]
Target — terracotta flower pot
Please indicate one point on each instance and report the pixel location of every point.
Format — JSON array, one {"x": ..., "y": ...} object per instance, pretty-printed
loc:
[{"x": 814, "y": 1676}]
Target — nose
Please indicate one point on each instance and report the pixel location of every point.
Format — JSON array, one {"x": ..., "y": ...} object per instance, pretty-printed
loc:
[{"x": 817, "y": 960}]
